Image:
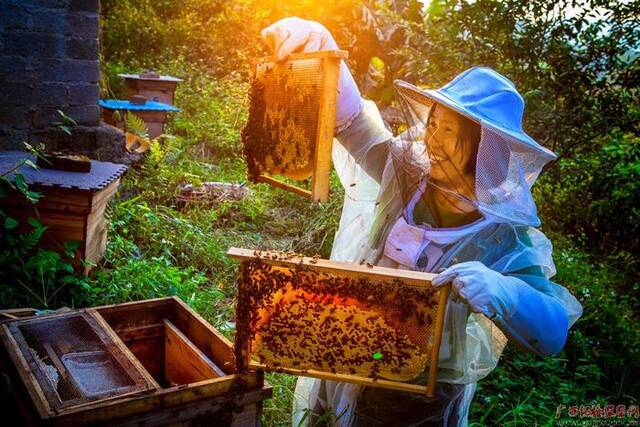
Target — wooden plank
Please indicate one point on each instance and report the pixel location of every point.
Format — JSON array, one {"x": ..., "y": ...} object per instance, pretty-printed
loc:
[
  {"x": 181, "y": 394},
  {"x": 184, "y": 362},
  {"x": 95, "y": 240},
  {"x": 205, "y": 336},
  {"x": 103, "y": 196},
  {"x": 7, "y": 316},
  {"x": 413, "y": 278},
  {"x": 35, "y": 392},
  {"x": 203, "y": 410},
  {"x": 437, "y": 340},
  {"x": 326, "y": 125},
  {"x": 53, "y": 198},
  {"x": 137, "y": 313},
  {"x": 355, "y": 379},
  {"x": 168, "y": 399},
  {"x": 96, "y": 225},
  {"x": 342, "y": 54},
  {"x": 55, "y": 359},
  {"x": 17, "y": 313},
  {"x": 283, "y": 185},
  {"x": 141, "y": 332},
  {"x": 64, "y": 222},
  {"x": 126, "y": 357}
]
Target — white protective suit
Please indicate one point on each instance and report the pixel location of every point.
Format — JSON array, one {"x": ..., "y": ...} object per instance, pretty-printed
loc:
[{"x": 376, "y": 220}]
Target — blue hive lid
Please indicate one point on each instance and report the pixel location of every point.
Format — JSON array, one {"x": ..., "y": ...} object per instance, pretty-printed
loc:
[
  {"x": 141, "y": 76},
  {"x": 119, "y": 104}
]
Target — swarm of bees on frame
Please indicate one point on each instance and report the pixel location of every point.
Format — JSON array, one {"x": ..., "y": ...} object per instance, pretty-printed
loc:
[
  {"x": 297, "y": 317},
  {"x": 279, "y": 136}
]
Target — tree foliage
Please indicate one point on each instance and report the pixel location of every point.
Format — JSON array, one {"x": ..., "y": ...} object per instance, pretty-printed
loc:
[{"x": 577, "y": 64}]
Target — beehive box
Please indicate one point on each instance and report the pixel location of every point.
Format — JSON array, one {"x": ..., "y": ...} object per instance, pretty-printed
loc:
[
  {"x": 340, "y": 321},
  {"x": 291, "y": 121},
  {"x": 152, "y": 362},
  {"x": 152, "y": 86},
  {"x": 153, "y": 113},
  {"x": 72, "y": 205}
]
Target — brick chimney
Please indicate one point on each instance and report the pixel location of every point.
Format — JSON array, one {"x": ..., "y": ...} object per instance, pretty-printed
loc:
[{"x": 49, "y": 61}]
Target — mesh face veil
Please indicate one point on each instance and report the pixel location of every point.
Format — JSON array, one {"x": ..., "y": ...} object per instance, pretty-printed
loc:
[
  {"x": 448, "y": 143},
  {"x": 493, "y": 177}
]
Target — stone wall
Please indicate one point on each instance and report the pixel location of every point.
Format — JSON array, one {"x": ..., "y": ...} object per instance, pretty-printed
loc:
[{"x": 48, "y": 61}]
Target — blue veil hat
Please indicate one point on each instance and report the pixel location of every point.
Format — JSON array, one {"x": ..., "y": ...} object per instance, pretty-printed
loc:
[{"x": 508, "y": 160}]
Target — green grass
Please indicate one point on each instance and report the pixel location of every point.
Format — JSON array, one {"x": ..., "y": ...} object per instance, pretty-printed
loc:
[{"x": 276, "y": 411}]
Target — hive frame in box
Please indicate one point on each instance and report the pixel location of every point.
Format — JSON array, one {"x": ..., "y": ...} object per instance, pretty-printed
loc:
[
  {"x": 159, "y": 404},
  {"x": 326, "y": 117},
  {"x": 36, "y": 383},
  {"x": 351, "y": 270}
]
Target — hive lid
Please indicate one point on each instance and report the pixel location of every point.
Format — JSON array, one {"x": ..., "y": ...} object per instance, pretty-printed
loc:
[
  {"x": 119, "y": 104},
  {"x": 141, "y": 76},
  {"x": 101, "y": 175}
]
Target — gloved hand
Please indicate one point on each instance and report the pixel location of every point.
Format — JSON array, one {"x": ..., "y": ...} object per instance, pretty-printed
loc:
[
  {"x": 294, "y": 35},
  {"x": 486, "y": 291},
  {"x": 536, "y": 321}
]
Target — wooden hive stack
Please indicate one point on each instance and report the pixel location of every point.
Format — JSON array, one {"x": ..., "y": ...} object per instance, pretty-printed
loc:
[
  {"x": 72, "y": 205},
  {"x": 151, "y": 85}
]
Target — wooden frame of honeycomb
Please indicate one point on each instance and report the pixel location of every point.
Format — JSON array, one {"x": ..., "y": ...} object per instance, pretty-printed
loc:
[
  {"x": 291, "y": 121},
  {"x": 339, "y": 321}
]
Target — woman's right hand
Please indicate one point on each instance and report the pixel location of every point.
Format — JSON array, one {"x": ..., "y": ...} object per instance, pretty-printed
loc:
[{"x": 293, "y": 34}]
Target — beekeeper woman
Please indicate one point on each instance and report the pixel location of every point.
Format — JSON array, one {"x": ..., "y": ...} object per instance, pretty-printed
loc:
[{"x": 451, "y": 194}]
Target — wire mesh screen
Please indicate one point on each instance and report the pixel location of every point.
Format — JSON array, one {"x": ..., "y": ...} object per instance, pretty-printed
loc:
[
  {"x": 289, "y": 130},
  {"x": 280, "y": 135},
  {"x": 312, "y": 314},
  {"x": 72, "y": 362}
]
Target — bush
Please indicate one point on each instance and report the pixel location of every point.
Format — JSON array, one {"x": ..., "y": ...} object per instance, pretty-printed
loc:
[
  {"x": 596, "y": 366},
  {"x": 601, "y": 186}
]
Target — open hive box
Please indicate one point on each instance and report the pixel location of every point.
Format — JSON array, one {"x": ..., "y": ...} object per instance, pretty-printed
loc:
[
  {"x": 152, "y": 362},
  {"x": 291, "y": 120},
  {"x": 340, "y": 321}
]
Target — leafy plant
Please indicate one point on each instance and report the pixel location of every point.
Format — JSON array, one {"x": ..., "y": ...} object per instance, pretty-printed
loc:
[{"x": 66, "y": 123}]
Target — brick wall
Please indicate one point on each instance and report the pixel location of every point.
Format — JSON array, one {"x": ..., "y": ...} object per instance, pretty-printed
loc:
[{"x": 48, "y": 62}]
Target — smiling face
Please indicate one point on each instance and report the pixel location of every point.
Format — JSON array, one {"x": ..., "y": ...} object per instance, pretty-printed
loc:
[{"x": 452, "y": 144}]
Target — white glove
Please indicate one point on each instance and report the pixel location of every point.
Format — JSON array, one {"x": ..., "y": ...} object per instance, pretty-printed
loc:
[
  {"x": 534, "y": 320},
  {"x": 486, "y": 291},
  {"x": 293, "y": 35}
]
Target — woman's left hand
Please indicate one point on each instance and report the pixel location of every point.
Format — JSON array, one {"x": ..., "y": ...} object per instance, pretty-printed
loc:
[{"x": 486, "y": 291}]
